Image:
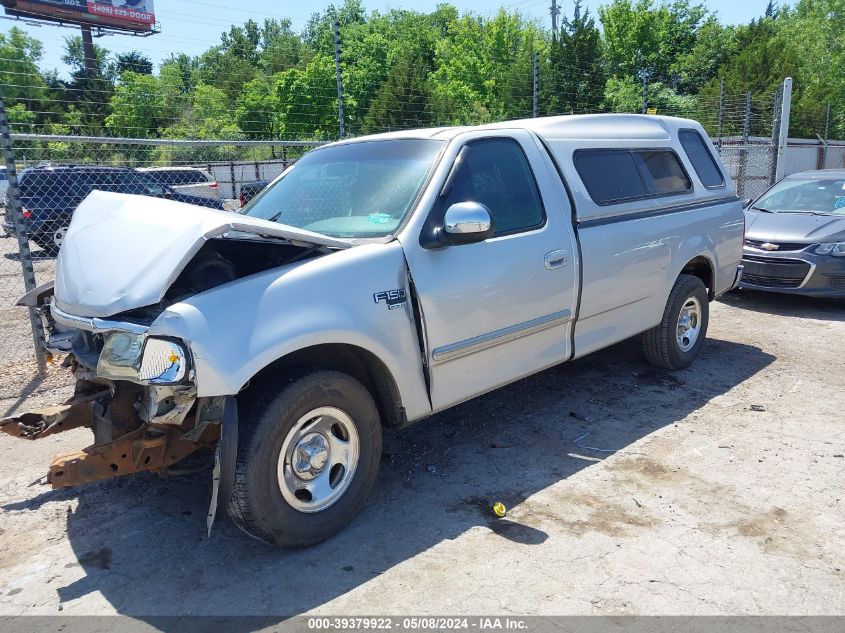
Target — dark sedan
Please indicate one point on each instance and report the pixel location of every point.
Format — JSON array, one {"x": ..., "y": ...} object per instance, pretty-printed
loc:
[
  {"x": 50, "y": 195},
  {"x": 795, "y": 236}
]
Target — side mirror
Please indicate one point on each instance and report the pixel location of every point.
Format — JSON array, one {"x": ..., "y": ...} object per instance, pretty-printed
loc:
[{"x": 466, "y": 223}]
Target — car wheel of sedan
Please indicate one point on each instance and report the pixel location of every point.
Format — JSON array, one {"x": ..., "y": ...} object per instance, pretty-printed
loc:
[
  {"x": 59, "y": 237},
  {"x": 307, "y": 457},
  {"x": 47, "y": 243},
  {"x": 677, "y": 340}
]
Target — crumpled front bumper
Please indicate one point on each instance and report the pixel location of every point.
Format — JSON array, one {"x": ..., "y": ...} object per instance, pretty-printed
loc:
[
  {"x": 136, "y": 427},
  {"x": 123, "y": 442}
]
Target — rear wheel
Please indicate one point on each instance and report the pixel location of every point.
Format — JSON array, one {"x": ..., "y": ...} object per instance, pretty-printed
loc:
[
  {"x": 51, "y": 240},
  {"x": 308, "y": 455},
  {"x": 678, "y": 339}
]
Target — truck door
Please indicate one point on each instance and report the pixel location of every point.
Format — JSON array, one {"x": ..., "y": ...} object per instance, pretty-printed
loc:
[{"x": 500, "y": 309}]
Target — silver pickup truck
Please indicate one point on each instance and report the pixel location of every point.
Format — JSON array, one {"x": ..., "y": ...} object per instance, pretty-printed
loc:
[{"x": 375, "y": 282}]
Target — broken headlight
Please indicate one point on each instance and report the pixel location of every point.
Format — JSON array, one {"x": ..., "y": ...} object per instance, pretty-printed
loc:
[{"x": 138, "y": 358}]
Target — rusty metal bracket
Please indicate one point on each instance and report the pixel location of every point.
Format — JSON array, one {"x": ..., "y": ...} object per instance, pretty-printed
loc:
[
  {"x": 148, "y": 448},
  {"x": 32, "y": 425}
]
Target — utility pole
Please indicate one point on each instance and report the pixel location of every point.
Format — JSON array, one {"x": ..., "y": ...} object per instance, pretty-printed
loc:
[
  {"x": 534, "y": 104},
  {"x": 88, "y": 51},
  {"x": 555, "y": 11},
  {"x": 340, "y": 117}
]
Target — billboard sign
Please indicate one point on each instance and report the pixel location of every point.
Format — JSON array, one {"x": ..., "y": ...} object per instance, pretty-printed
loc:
[{"x": 129, "y": 15}]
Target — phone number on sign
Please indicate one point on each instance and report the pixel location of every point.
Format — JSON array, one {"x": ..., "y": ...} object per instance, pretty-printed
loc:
[{"x": 357, "y": 624}]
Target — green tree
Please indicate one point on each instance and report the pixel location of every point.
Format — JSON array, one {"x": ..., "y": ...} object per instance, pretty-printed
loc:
[
  {"x": 484, "y": 69},
  {"x": 646, "y": 38},
  {"x": 19, "y": 75},
  {"x": 257, "y": 110},
  {"x": 135, "y": 61},
  {"x": 402, "y": 100},
  {"x": 138, "y": 107},
  {"x": 307, "y": 100},
  {"x": 576, "y": 77}
]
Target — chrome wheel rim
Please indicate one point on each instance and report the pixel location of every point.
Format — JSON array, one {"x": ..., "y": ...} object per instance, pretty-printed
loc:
[
  {"x": 318, "y": 459},
  {"x": 59, "y": 236},
  {"x": 689, "y": 324}
]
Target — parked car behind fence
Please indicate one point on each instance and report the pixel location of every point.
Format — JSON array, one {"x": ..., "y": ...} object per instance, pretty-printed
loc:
[
  {"x": 50, "y": 195},
  {"x": 189, "y": 180}
]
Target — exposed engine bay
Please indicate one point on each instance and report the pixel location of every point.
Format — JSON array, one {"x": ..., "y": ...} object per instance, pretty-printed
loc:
[{"x": 136, "y": 392}]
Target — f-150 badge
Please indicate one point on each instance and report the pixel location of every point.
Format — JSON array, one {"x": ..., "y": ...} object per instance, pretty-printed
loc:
[{"x": 393, "y": 298}]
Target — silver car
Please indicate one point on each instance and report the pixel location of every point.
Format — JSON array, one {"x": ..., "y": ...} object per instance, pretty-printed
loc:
[
  {"x": 795, "y": 238},
  {"x": 375, "y": 282}
]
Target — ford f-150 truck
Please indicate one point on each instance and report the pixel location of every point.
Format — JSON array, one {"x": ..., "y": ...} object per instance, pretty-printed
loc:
[{"x": 375, "y": 282}]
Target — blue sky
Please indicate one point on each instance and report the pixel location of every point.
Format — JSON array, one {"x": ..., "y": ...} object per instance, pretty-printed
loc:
[{"x": 191, "y": 26}]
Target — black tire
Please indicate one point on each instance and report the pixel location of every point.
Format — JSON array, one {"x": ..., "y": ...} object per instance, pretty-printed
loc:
[
  {"x": 267, "y": 415},
  {"x": 48, "y": 241},
  {"x": 660, "y": 343},
  {"x": 46, "y": 245}
]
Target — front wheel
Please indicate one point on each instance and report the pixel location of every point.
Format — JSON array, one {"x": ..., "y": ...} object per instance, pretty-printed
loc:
[
  {"x": 308, "y": 454},
  {"x": 677, "y": 340}
]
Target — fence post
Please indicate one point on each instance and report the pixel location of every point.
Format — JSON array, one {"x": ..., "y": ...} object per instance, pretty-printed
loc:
[
  {"x": 721, "y": 115},
  {"x": 645, "y": 92},
  {"x": 742, "y": 171},
  {"x": 826, "y": 136},
  {"x": 13, "y": 202},
  {"x": 339, "y": 71},
  {"x": 534, "y": 102},
  {"x": 783, "y": 128}
]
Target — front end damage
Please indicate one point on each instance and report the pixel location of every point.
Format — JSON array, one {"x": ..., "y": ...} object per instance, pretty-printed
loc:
[
  {"x": 136, "y": 428},
  {"x": 137, "y": 395},
  {"x": 137, "y": 391}
]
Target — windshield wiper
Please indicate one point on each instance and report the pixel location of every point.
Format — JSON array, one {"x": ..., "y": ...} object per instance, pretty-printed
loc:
[
  {"x": 762, "y": 209},
  {"x": 804, "y": 211},
  {"x": 274, "y": 217}
]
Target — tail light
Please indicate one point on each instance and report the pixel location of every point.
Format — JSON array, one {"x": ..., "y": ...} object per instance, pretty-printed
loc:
[
  {"x": 242, "y": 199},
  {"x": 213, "y": 185},
  {"x": 26, "y": 213}
]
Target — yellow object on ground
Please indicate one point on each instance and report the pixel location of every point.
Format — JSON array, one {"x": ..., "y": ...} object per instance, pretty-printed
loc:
[{"x": 499, "y": 509}]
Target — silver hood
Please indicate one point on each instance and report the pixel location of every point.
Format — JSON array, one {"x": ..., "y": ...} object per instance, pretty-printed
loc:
[
  {"x": 123, "y": 251},
  {"x": 804, "y": 228}
]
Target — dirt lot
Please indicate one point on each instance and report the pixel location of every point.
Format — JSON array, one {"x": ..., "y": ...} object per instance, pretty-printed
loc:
[{"x": 708, "y": 505}]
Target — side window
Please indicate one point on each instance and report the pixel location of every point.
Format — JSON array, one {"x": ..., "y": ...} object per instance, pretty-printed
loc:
[
  {"x": 609, "y": 175},
  {"x": 702, "y": 159},
  {"x": 662, "y": 172},
  {"x": 496, "y": 173},
  {"x": 618, "y": 175}
]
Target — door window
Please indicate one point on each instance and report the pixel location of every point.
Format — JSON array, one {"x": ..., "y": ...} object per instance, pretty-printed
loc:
[{"x": 496, "y": 173}]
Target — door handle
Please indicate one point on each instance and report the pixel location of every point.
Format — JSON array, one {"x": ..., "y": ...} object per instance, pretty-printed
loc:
[{"x": 555, "y": 259}]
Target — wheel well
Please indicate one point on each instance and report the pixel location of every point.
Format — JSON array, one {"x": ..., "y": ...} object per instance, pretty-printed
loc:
[
  {"x": 355, "y": 361},
  {"x": 700, "y": 267}
]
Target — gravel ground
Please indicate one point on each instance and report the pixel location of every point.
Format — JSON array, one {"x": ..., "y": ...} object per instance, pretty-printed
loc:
[{"x": 630, "y": 491}]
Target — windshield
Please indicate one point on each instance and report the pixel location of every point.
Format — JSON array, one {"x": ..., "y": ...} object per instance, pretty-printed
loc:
[
  {"x": 824, "y": 196},
  {"x": 356, "y": 190}
]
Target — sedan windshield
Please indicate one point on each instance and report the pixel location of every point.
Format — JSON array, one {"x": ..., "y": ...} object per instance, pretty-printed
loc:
[
  {"x": 795, "y": 195},
  {"x": 356, "y": 190}
]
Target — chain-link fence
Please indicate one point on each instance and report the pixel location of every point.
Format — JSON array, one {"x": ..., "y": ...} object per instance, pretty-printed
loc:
[
  {"x": 56, "y": 171},
  {"x": 48, "y": 176}
]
